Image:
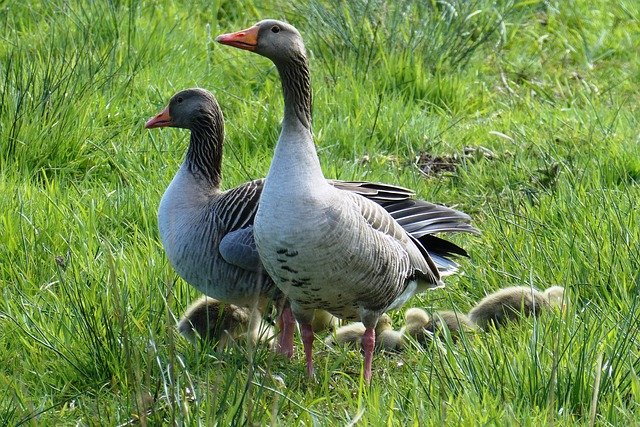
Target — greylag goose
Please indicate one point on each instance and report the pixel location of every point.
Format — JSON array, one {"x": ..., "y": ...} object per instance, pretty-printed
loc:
[
  {"x": 209, "y": 319},
  {"x": 556, "y": 297},
  {"x": 324, "y": 247},
  {"x": 422, "y": 327},
  {"x": 207, "y": 233},
  {"x": 323, "y": 320},
  {"x": 513, "y": 302},
  {"x": 387, "y": 338},
  {"x": 415, "y": 320}
]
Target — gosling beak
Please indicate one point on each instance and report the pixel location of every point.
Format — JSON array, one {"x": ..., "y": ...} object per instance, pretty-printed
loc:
[
  {"x": 245, "y": 39},
  {"x": 161, "y": 120}
]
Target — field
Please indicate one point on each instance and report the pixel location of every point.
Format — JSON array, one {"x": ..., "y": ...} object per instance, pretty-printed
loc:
[{"x": 524, "y": 114}]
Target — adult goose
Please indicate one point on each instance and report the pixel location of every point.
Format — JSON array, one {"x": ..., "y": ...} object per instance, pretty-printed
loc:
[
  {"x": 207, "y": 233},
  {"x": 324, "y": 247}
]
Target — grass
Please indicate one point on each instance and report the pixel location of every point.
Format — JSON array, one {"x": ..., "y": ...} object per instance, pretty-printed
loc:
[{"x": 88, "y": 300}]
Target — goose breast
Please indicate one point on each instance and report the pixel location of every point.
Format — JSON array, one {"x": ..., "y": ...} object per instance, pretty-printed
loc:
[{"x": 335, "y": 257}]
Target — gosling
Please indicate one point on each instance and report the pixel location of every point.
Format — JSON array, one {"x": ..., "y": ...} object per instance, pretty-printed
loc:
[
  {"x": 324, "y": 321},
  {"x": 511, "y": 303},
  {"x": 387, "y": 339},
  {"x": 422, "y": 328},
  {"x": 213, "y": 321}
]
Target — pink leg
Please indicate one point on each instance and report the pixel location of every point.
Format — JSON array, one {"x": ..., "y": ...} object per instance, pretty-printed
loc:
[
  {"x": 287, "y": 325},
  {"x": 368, "y": 343},
  {"x": 307, "y": 341}
]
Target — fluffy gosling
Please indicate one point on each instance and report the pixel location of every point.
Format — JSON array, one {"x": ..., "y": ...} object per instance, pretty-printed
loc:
[
  {"x": 214, "y": 321},
  {"x": 387, "y": 338},
  {"x": 556, "y": 297},
  {"x": 324, "y": 321},
  {"x": 511, "y": 303},
  {"x": 450, "y": 321},
  {"x": 422, "y": 328}
]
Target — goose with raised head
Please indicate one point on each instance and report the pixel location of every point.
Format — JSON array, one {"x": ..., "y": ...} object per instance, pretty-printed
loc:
[
  {"x": 326, "y": 248},
  {"x": 207, "y": 233}
]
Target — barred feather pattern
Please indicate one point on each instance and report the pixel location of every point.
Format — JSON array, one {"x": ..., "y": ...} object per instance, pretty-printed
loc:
[
  {"x": 204, "y": 155},
  {"x": 299, "y": 88},
  {"x": 194, "y": 215}
]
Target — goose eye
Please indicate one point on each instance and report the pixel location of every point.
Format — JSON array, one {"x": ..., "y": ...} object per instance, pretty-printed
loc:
[
  {"x": 275, "y": 29},
  {"x": 179, "y": 100}
]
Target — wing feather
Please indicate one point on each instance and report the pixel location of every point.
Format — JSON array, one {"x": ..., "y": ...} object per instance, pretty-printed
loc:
[{"x": 417, "y": 219}]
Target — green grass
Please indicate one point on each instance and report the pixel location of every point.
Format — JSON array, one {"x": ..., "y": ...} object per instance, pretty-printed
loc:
[{"x": 88, "y": 300}]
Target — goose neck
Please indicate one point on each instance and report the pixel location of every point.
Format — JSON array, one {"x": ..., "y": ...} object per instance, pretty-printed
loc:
[
  {"x": 295, "y": 162},
  {"x": 296, "y": 88},
  {"x": 204, "y": 156}
]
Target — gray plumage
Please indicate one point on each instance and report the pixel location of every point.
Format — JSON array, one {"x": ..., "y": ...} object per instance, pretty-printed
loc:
[
  {"x": 352, "y": 258},
  {"x": 207, "y": 232}
]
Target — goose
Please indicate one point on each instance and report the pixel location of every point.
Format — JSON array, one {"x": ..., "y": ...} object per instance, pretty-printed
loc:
[
  {"x": 452, "y": 321},
  {"x": 416, "y": 319},
  {"x": 422, "y": 327},
  {"x": 207, "y": 232},
  {"x": 513, "y": 302},
  {"x": 387, "y": 338},
  {"x": 324, "y": 321},
  {"x": 211, "y": 320},
  {"x": 324, "y": 247},
  {"x": 556, "y": 297}
]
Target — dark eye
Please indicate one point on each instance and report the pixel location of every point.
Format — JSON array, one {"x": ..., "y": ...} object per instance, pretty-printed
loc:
[
  {"x": 179, "y": 100},
  {"x": 275, "y": 29}
]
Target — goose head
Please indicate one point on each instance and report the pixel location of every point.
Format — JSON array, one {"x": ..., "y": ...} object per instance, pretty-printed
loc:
[
  {"x": 416, "y": 319},
  {"x": 283, "y": 45},
  {"x": 273, "y": 39},
  {"x": 556, "y": 297},
  {"x": 186, "y": 109}
]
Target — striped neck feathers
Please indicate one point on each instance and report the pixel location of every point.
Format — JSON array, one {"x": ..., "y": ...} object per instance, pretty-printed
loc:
[
  {"x": 204, "y": 156},
  {"x": 296, "y": 88}
]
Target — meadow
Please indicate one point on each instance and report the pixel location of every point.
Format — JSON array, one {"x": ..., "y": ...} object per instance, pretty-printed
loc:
[{"x": 524, "y": 114}]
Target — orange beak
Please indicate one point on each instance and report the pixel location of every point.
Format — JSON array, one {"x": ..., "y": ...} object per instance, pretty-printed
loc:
[
  {"x": 245, "y": 39},
  {"x": 161, "y": 120}
]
